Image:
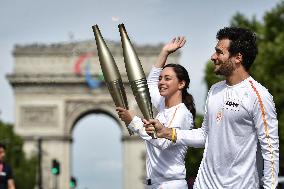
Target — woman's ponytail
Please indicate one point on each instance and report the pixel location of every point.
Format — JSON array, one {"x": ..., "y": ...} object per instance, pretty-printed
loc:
[{"x": 188, "y": 100}]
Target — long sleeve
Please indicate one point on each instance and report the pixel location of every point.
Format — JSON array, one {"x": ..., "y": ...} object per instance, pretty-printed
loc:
[
  {"x": 152, "y": 81},
  {"x": 136, "y": 126},
  {"x": 265, "y": 119},
  {"x": 181, "y": 120},
  {"x": 193, "y": 138},
  {"x": 196, "y": 137}
]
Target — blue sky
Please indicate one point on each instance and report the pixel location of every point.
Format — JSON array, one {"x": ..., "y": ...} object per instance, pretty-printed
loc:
[{"x": 147, "y": 22}]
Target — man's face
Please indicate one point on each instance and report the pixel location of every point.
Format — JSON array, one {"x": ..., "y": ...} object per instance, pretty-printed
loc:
[
  {"x": 224, "y": 64},
  {"x": 2, "y": 154}
]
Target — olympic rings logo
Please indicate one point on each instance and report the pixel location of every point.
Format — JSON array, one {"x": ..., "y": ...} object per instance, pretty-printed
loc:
[{"x": 92, "y": 83}]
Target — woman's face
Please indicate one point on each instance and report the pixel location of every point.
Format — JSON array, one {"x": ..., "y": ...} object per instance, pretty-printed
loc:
[{"x": 168, "y": 83}]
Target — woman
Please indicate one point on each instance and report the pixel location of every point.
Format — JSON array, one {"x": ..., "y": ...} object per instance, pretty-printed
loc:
[{"x": 168, "y": 89}]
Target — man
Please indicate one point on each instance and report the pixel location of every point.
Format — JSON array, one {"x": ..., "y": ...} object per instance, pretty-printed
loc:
[
  {"x": 6, "y": 178},
  {"x": 239, "y": 113}
]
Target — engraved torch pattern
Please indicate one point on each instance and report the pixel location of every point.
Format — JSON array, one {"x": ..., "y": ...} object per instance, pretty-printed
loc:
[
  {"x": 136, "y": 75},
  {"x": 110, "y": 71}
]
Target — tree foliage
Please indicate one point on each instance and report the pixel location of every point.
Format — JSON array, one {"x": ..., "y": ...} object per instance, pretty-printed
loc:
[
  {"x": 194, "y": 155},
  {"x": 268, "y": 68},
  {"x": 24, "y": 170}
]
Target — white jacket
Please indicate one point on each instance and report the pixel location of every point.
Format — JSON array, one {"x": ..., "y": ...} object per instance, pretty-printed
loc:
[
  {"x": 164, "y": 159},
  {"x": 236, "y": 119}
]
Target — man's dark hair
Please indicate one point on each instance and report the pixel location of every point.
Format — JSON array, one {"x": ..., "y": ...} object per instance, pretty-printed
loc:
[
  {"x": 2, "y": 146},
  {"x": 242, "y": 41}
]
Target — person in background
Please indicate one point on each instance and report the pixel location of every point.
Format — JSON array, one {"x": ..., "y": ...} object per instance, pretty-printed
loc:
[{"x": 6, "y": 176}]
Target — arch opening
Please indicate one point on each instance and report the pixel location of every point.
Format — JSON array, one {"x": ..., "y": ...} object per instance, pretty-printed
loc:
[{"x": 97, "y": 151}]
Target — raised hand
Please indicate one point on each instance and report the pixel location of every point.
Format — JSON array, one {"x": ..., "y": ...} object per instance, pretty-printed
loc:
[
  {"x": 169, "y": 48},
  {"x": 174, "y": 44}
]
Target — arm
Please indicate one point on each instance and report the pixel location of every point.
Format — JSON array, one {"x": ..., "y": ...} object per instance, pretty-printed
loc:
[
  {"x": 181, "y": 120},
  {"x": 11, "y": 184},
  {"x": 196, "y": 137},
  {"x": 265, "y": 119},
  {"x": 169, "y": 48},
  {"x": 193, "y": 138},
  {"x": 153, "y": 77},
  {"x": 152, "y": 81},
  {"x": 134, "y": 123}
]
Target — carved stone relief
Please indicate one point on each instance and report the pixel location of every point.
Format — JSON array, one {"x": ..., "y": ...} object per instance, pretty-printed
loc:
[{"x": 39, "y": 116}]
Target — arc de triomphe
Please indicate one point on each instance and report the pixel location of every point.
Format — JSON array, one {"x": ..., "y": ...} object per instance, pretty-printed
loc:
[{"x": 50, "y": 98}]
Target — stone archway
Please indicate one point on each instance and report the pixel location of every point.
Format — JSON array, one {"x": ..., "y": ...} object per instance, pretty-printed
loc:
[
  {"x": 50, "y": 99},
  {"x": 132, "y": 147},
  {"x": 96, "y": 153}
]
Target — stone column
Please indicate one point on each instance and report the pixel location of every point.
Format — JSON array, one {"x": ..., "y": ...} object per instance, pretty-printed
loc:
[{"x": 133, "y": 162}]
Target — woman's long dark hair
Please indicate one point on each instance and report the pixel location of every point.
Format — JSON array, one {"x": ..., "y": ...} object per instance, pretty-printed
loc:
[{"x": 187, "y": 98}]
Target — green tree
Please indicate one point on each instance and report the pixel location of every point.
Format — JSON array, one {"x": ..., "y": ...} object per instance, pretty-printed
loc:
[
  {"x": 24, "y": 170},
  {"x": 194, "y": 155},
  {"x": 268, "y": 68}
]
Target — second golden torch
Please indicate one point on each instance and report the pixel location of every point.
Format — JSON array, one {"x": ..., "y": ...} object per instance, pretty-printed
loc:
[
  {"x": 136, "y": 75},
  {"x": 110, "y": 71}
]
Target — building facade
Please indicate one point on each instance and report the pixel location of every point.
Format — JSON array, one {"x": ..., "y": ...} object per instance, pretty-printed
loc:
[{"x": 52, "y": 93}]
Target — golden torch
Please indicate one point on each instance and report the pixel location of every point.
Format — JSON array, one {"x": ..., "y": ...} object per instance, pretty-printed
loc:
[
  {"x": 110, "y": 71},
  {"x": 136, "y": 75}
]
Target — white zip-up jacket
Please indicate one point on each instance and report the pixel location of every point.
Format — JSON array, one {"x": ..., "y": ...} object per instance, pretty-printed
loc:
[
  {"x": 164, "y": 159},
  {"x": 236, "y": 118}
]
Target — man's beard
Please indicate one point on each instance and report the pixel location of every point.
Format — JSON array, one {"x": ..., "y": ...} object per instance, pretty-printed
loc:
[{"x": 225, "y": 68}]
